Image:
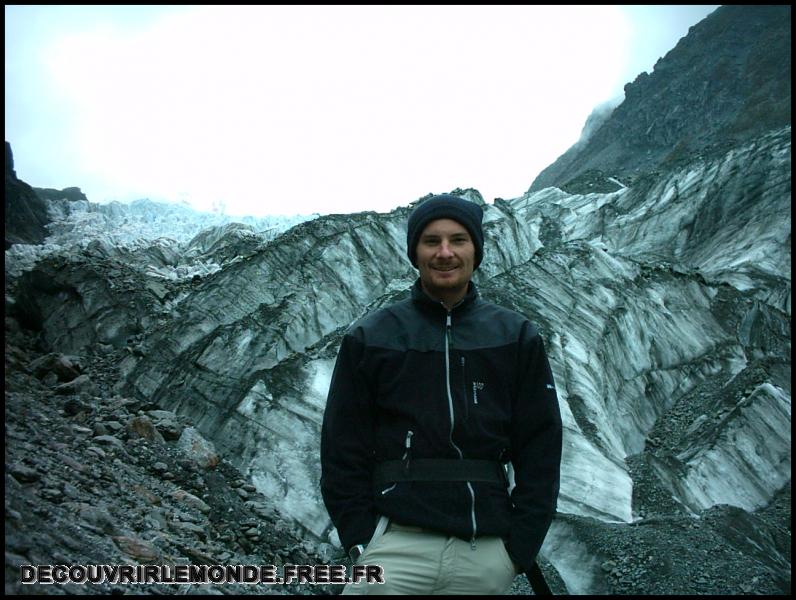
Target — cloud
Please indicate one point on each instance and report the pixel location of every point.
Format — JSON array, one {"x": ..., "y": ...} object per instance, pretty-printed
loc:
[
  {"x": 287, "y": 109},
  {"x": 598, "y": 116}
]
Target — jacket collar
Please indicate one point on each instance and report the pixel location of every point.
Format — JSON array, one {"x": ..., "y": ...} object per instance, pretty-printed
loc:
[{"x": 419, "y": 295}]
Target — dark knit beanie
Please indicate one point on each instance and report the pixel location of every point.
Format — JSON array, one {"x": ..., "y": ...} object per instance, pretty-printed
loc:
[{"x": 445, "y": 206}]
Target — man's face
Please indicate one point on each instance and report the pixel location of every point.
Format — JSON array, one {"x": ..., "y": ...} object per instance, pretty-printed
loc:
[{"x": 445, "y": 257}]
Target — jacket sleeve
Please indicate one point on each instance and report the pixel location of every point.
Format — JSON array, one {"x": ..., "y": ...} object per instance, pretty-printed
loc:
[
  {"x": 347, "y": 447},
  {"x": 536, "y": 440}
]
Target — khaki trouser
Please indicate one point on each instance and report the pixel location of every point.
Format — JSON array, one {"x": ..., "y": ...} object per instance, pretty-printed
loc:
[{"x": 418, "y": 561}]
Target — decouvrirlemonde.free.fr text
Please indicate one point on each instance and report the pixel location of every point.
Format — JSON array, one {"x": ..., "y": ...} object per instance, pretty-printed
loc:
[{"x": 202, "y": 574}]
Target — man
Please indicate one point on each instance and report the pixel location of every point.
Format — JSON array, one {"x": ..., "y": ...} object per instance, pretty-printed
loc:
[{"x": 430, "y": 397}]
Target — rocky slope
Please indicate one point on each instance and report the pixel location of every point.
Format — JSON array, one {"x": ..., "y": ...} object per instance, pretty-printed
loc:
[{"x": 96, "y": 478}]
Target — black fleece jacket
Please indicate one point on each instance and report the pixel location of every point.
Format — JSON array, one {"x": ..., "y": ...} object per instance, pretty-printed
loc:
[{"x": 414, "y": 380}]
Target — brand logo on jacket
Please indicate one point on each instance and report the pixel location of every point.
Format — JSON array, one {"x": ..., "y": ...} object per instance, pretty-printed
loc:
[{"x": 477, "y": 386}]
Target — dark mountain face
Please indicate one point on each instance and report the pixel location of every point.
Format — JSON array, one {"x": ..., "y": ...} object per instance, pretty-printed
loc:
[
  {"x": 725, "y": 83},
  {"x": 164, "y": 400},
  {"x": 26, "y": 215}
]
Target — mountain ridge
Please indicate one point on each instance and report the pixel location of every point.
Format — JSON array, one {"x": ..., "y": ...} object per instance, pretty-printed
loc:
[{"x": 724, "y": 83}]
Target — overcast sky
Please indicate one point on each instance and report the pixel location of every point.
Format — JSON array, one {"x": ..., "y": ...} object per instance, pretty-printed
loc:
[{"x": 285, "y": 110}]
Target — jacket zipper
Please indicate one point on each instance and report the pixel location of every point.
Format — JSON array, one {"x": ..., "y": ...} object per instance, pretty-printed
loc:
[
  {"x": 407, "y": 457},
  {"x": 408, "y": 445},
  {"x": 464, "y": 391},
  {"x": 450, "y": 409}
]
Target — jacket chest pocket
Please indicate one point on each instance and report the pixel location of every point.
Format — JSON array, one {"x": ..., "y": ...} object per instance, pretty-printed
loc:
[{"x": 482, "y": 397}]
